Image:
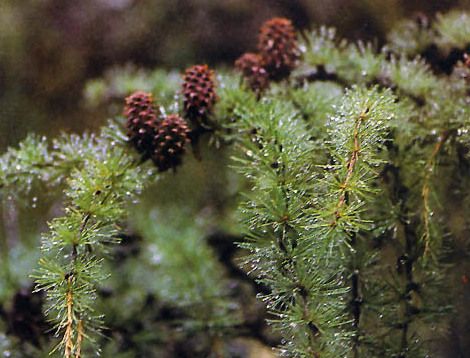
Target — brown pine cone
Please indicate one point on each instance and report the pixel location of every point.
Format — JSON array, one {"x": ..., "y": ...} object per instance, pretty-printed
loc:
[
  {"x": 277, "y": 44},
  {"x": 169, "y": 142},
  {"x": 199, "y": 93},
  {"x": 251, "y": 66},
  {"x": 141, "y": 120}
]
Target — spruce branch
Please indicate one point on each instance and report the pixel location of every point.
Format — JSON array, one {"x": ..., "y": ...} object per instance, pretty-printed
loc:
[
  {"x": 339, "y": 212},
  {"x": 74, "y": 323},
  {"x": 411, "y": 299},
  {"x": 351, "y": 164},
  {"x": 453, "y": 29},
  {"x": 441, "y": 41},
  {"x": 35, "y": 161}
]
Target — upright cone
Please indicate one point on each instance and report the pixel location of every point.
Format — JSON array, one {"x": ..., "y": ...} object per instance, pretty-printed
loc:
[
  {"x": 199, "y": 93},
  {"x": 278, "y": 47},
  {"x": 141, "y": 120},
  {"x": 251, "y": 67},
  {"x": 169, "y": 142},
  {"x": 162, "y": 140}
]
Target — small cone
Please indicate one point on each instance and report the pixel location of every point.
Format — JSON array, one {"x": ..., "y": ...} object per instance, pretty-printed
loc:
[
  {"x": 277, "y": 44},
  {"x": 251, "y": 67},
  {"x": 169, "y": 142},
  {"x": 141, "y": 120},
  {"x": 199, "y": 93}
]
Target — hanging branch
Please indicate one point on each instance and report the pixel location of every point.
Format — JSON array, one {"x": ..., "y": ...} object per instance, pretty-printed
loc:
[{"x": 73, "y": 328}]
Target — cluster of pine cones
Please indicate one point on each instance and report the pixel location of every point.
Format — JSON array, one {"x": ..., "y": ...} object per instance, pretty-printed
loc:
[
  {"x": 161, "y": 139},
  {"x": 164, "y": 139},
  {"x": 278, "y": 54}
]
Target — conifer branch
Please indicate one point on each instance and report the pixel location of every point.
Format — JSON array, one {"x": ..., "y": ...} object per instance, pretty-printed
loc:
[
  {"x": 312, "y": 331},
  {"x": 300, "y": 294},
  {"x": 351, "y": 164},
  {"x": 429, "y": 170},
  {"x": 356, "y": 300},
  {"x": 349, "y": 194},
  {"x": 334, "y": 221},
  {"x": 405, "y": 263},
  {"x": 375, "y": 66},
  {"x": 97, "y": 192},
  {"x": 318, "y": 228},
  {"x": 80, "y": 336},
  {"x": 68, "y": 334}
]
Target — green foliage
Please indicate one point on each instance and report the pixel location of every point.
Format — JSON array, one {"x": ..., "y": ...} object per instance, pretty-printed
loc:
[
  {"x": 453, "y": 29},
  {"x": 71, "y": 266},
  {"x": 190, "y": 275},
  {"x": 399, "y": 71},
  {"x": 299, "y": 218},
  {"x": 449, "y": 31},
  {"x": 275, "y": 159},
  {"x": 322, "y": 48},
  {"x": 315, "y": 102},
  {"x": 119, "y": 82},
  {"x": 410, "y": 37},
  {"x": 346, "y": 171}
]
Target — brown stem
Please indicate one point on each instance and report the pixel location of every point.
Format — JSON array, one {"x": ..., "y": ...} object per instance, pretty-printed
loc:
[
  {"x": 429, "y": 169},
  {"x": 356, "y": 299},
  {"x": 80, "y": 335},
  {"x": 68, "y": 335},
  {"x": 342, "y": 201}
]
